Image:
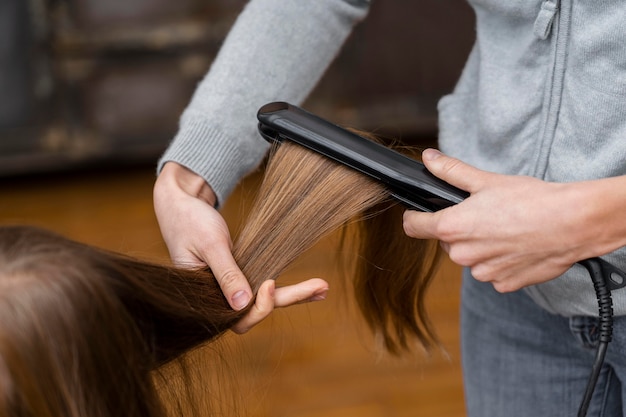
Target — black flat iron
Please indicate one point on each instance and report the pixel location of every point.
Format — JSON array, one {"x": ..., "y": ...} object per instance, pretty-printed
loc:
[{"x": 410, "y": 182}]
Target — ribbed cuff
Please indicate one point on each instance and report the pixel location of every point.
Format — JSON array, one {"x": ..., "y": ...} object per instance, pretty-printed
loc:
[{"x": 215, "y": 156}]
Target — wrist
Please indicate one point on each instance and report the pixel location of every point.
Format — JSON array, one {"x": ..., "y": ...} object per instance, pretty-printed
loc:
[
  {"x": 174, "y": 174},
  {"x": 603, "y": 222}
]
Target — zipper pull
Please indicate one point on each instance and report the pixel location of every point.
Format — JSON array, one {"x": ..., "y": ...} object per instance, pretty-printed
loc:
[{"x": 545, "y": 18}]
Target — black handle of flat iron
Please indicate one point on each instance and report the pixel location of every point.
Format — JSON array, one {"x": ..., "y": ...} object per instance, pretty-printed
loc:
[
  {"x": 605, "y": 277},
  {"x": 599, "y": 269}
]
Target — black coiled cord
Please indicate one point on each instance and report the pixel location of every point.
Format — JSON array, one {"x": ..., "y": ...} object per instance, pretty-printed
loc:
[{"x": 601, "y": 281}]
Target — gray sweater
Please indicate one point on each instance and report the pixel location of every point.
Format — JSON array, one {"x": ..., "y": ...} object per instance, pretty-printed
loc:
[
  {"x": 543, "y": 94},
  {"x": 276, "y": 50}
]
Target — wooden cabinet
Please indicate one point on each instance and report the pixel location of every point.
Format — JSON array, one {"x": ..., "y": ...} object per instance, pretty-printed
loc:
[{"x": 100, "y": 82}]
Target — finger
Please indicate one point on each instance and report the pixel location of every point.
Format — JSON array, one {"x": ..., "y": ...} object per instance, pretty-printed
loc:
[
  {"x": 232, "y": 281},
  {"x": 420, "y": 225},
  {"x": 263, "y": 306},
  {"x": 453, "y": 171},
  {"x": 269, "y": 297},
  {"x": 312, "y": 290}
]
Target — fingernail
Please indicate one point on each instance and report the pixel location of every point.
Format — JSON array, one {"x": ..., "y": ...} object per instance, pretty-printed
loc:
[
  {"x": 240, "y": 300},
  {"x": 319, "y": 295},
  {"x": 431, "y": 154}
]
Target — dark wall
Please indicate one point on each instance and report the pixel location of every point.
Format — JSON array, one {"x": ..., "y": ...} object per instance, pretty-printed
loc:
[{"x": 92, "y": 82}]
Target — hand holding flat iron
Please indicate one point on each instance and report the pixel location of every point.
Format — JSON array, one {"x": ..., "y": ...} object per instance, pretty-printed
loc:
[{"x": 515, "y": 231}]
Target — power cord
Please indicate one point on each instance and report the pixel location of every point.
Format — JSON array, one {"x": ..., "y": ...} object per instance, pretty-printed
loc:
[{"x": 605, "y": 277}]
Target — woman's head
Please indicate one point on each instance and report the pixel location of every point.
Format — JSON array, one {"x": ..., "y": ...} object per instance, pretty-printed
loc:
[
  {"x": 81, "y": 329},
  {"x": 67, "y": 343}
]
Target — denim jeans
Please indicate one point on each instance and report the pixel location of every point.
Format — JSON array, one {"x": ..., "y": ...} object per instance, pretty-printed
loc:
[{"x": 521, "y": 361}]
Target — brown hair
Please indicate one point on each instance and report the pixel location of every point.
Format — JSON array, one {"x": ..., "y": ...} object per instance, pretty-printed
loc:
[{"x": 82, "y": 329}]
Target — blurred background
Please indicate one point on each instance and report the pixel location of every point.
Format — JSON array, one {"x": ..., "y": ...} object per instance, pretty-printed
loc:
[
  {"x": 91, "y": 95},
  {"x": 91, "y": 81}
]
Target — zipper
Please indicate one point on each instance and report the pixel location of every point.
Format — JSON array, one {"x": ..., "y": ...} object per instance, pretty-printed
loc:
[
  {"x": 553, "y": 20},
  {"x": 545, "y": 19}
]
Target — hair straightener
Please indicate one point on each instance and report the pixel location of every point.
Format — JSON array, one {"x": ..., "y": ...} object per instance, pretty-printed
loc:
[
  {"x": 411, "y": 183},
  {"x": 407, "y": 179}
]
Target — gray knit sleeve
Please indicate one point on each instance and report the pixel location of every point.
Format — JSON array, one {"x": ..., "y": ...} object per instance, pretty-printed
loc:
[{"x": 277, "y": 50}]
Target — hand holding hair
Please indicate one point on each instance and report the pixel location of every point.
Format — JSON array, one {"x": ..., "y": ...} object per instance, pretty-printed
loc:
[
  {"x": 195, "y": 232},
  {"x": 207, "y": 243},
  {"x": 516, "y": 231}
]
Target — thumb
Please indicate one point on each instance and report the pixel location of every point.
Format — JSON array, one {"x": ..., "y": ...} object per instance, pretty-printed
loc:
[
  {"x": 232, "y": 281},
  {"x": 453, "y": 171}
]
